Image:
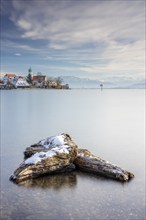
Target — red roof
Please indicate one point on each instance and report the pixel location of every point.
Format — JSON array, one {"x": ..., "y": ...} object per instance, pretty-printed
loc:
[
  {"x": 10, "y": 75},
  {"x": 38, "y": 78}
]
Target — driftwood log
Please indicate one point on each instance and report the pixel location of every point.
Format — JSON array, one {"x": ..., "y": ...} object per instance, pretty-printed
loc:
[
  {"x": 51, "y": 155},
  {"x": 58, "y": 154},
  {"x": 88, "y": 162}
]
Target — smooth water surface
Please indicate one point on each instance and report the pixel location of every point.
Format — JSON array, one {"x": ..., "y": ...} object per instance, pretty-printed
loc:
[{"x": 110, "y": 123}]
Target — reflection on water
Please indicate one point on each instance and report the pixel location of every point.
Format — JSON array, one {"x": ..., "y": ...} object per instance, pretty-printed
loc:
[
  {"x": 56, "y": 181},
  {"x": 65, "y": 180}
]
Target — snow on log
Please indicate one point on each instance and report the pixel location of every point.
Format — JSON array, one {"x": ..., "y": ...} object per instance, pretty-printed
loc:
[{"x": 57, "y": 154}]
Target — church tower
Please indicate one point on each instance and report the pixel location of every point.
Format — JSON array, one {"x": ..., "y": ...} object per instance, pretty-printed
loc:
[
  {"x": 30, "y": 71},
  {"x": 30, "y": 76}
]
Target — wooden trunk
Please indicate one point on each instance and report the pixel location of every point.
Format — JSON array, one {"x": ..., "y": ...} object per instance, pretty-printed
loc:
[
  {"x": 58, "y": 154},
  {"x": 88, "y": 162}
]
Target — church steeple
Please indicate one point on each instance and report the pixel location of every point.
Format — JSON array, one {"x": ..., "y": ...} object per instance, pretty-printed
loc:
[
  {"x": 30, "y": 71},
  {"x": 30, "y": 76}
]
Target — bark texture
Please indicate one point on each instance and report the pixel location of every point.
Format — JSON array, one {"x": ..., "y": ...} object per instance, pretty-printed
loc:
[
  {"x": 59, "y": 154},
  {"x": 88, "y": 162},
  {"x": 48, "y": 144}
]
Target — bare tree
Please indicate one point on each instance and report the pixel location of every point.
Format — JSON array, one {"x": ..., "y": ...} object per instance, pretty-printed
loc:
[{"x": 59, "y": 81}]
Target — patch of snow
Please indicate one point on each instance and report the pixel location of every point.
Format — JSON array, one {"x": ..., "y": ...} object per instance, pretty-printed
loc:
[
  {"x": 62, "y": 149},
  {"x": 38, "y": 157},
  {"x": 87, "y": 156},
  {"x": 81, "y": 155},
  {"x": 53, "y": 141}
]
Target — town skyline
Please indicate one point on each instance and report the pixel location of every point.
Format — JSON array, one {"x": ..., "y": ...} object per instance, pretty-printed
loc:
[{"x": 99, "y": 40}]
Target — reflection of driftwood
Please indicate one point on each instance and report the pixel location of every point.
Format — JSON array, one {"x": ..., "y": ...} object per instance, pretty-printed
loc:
[
  {"x": 60, "y": 154},
  {"x": 25, "y": 172},
  {"x": 88, "y": 162},
  {"x": 52, "y": 181}
]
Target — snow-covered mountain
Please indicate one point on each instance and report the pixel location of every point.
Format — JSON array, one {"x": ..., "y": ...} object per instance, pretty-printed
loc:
[
  {"x": 76, "y": 82},
  {"x": 141, "y": 84}
]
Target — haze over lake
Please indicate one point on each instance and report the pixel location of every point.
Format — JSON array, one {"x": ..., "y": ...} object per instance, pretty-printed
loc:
[{"x": 110, "y": 123}]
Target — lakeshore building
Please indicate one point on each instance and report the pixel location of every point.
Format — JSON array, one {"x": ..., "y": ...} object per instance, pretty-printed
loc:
[
  {"x": 22, "y": 83},
  {"x": 11, "y": 80},
  {"x": 39, "y": 80}
]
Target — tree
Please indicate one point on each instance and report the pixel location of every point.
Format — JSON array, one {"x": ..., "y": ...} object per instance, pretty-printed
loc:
[
  {"x": 59, "y": 81},
  {"x": 49, "y": 82},
  {"x": 29, "y": 78}
]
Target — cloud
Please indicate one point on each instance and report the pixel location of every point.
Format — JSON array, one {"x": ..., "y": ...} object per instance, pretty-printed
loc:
[
  {"x": 122, "y": 59},
  {"x": 17, "y": 54},
  {"x": 64, "y": 26},
  {"x": 98, "y": 37},
  {"x": 24, "y": 24},
  {"x": 9, "y": 45}
]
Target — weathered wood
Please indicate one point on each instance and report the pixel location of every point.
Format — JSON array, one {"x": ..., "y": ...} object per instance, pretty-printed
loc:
[
  {"x": 58, "y": 154},
  {"x": 48, "y": 144},
  {"x": 49, "y": 166},
  {"x": 88, "y": 162}
]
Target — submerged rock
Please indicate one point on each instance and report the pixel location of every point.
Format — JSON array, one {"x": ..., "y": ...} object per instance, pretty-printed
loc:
[{"x": 58, "y": 154}]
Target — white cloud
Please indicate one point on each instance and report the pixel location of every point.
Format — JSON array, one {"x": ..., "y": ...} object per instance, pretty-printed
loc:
[
  {"x": 122, "y": 59},
  {"x": 77, "y": 23},
  {"x": 84, "y": 32},
  {"x": 17, "y": 54},
  {"x": 8, "y": 45},
  {"x": 24, "y": 24}
]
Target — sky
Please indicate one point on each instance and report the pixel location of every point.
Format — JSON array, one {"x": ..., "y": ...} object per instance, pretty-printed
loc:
[{"x": 95, "y": 39}]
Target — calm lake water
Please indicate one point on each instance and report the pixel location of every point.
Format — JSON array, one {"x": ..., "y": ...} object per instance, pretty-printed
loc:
[{"x": 110, "y": 123}]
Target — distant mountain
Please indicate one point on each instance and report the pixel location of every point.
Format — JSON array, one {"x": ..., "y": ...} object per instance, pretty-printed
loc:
[
  {"x": 76, "y": 82},
  {"x": 139, "y": 85},
  {"x": 81, "y": 83}
]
